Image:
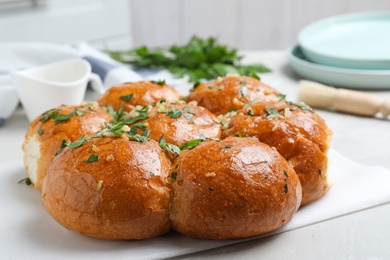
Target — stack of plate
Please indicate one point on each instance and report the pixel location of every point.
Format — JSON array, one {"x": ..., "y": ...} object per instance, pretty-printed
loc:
[{"x": 350, "y": 51}]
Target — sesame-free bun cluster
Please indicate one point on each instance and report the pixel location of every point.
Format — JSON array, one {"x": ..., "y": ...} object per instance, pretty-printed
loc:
[{"x": 232, "y": 160}]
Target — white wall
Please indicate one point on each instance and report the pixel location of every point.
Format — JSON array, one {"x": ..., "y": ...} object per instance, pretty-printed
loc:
[
  {"x": 245, "y": 24},
  {"x": 100, "y": 22}
]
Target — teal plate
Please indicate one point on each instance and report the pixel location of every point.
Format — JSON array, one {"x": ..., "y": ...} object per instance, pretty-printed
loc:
[
  {"x": 347, "y": 78},
  {"x": 357, "y": 41}
]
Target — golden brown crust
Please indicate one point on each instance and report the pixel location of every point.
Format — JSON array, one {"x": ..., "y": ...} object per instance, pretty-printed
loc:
[
  {"x": 231, "y": 92},
  {"x": 124, "y": 194},
  {"x": 49, "y": 132},
  {"x": 144, "y": 93},
  {"x": 181, "y": 122},
  {"x": 300, "y": 136},
  {"x": 234, "y": 188}
]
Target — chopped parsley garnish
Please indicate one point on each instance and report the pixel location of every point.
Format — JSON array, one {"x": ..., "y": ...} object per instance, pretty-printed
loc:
[
  {"x": 92, "y": 158},
  {"x": 285, "y": 173},
  {"x": 173, "y": 149},
  {"x": 111, "y": 111},
  {"x": 244, "y": 91},
  {"x": 127, "y": 98},
  {"x": 72, "y": 145},
  {"x": 140, "y": 125},
  {"x": 79, "y": 112},
  {"x": 62, "y": 146},
  {"x": 61, "y": 118},
  {"x": 54, "y": 114},
  {"x": 78, "y": 143},
  {"x": 27, "y": 181},
  {"x": 162, "y": 142},
  {"x": 49, "y": 114},
  {"x": 250, "y": 112},
  {"x": 146, "y": 133},
  {"x": 119, "y": 113},
  {"x": 304, "y": 106},
  {"x": 174, "y": 175},
  {"x": 192, "y": 143},
  {"x": 271, "y": 111},
  {"x": 285, "y": 188},
  {"x": 189, "y": 110},
  {"x": 174, "y": 113},
  {"x": 233, "y": 109},
  {"x": 133, "y": 131},
  {"x": 254, "y": 101},
  {"x": 160, "y": 82},
  {"x": 301, "y": 105},
  {"x": 281, "y": 97},
  {"x": 238, "y": 135},
  {"x": 40, "y": 131},
  {"x": 170, "y": 148},
  {"x": 227, "y": 147},
  {"x": 162, "y": 101},
  {"x": 112, "y": 129},
  {"x": 243, "y": 82},
  {"x": 132, "y": 120},
  {"x": 152, "y": 174},
  {"x": 188, "y": 118},
  {"x": 139, "y": 138},
  {"x": 143, "y": 114}
]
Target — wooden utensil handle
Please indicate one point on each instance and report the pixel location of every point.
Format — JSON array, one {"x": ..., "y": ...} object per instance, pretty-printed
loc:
[
  {"x": 385, "y": 108},
  {"x": 361, "y": 103}
]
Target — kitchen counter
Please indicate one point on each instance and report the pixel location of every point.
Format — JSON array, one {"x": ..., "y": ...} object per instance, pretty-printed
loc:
[{"x": 360, "y": 235}]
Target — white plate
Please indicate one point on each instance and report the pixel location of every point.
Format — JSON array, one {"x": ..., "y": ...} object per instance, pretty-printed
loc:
[
  {"x": 358, "y": 41},
  {"x": 347, "y": 78},
  {"x": 28, "y": 232}
]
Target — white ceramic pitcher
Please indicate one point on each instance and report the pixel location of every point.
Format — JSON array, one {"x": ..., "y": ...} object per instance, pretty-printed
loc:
[{"x": 46, "y": 87}]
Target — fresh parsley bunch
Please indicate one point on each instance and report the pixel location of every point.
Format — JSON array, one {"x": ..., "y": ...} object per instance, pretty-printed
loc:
[{"x": 199, "y": 59}]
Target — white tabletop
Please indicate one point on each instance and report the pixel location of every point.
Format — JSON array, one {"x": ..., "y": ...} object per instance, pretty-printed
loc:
[{"x": 360, "y": 235}]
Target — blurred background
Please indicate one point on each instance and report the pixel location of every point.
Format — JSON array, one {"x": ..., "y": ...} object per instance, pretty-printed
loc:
[{"x": 119, "y": 24}]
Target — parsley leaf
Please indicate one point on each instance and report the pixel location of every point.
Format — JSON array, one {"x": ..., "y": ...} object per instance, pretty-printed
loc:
[
  {"x": 160, "y": 82},
  {"x": 198, "y": 59},
  {"x": 174, "y": 175},
  {"x": 281, "y": 97},
  {"x": 27, "y": 181},
  {"x": 174, "y": 113},
  {"x": 62, "y": 118},
  {"x": 171, "y": 148},
  {"x": 79, "y": 112},
  {"x": 271, "y": 111},
  {"x": 126, "y": 98},
  {"x": 191, "y": 144},
  {"x": 92, "y": 158},
  {"x": 189, "y": 110},
  {"x": 139, "y": 138},
  {"x": 78, "y": 143}
]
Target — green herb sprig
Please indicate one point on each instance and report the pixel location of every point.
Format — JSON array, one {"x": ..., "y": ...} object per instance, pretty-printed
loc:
[
  {"x": 199, "y": 59},
  {"x": 170, "y": 148}
]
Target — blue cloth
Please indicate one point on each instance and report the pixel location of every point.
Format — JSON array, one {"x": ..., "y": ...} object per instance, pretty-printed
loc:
[{"x": 99, "y": 67}]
